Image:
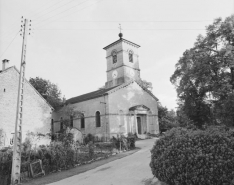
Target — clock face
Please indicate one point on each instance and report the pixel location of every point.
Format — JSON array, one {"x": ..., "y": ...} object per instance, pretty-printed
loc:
[{"x": 114, "y": 74}]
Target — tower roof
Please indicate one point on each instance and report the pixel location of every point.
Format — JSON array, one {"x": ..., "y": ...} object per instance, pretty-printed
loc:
[{"x": 121, "y": 40}]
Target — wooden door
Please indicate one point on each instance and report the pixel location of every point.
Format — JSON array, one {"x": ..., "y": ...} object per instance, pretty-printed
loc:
[{"x": 139, "y": 124}]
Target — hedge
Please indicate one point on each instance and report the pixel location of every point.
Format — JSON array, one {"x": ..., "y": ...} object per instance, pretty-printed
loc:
[{"x": 194, "y": 157}]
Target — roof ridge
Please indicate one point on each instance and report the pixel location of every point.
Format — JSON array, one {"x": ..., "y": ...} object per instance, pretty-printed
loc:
[
  {"x": 13, "y": 67},
  {"x": 139, "y": 82},
  {"x": 88, "y": 96}
]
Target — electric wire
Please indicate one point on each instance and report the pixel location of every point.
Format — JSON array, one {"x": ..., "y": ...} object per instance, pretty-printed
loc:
[
  {"x": 72, "y": 12},
  {"x": 6, "y": 37},
  {"x": 54, "y": 9},
  {"x": 45, "y": 8},
  {"x": 9, "y": 27},
  {"x": 61, "y": 12},
  {"x": 115, "y": 29},
  {"x": 140, "y": 21},
  {"x": 10, "y": 44}
]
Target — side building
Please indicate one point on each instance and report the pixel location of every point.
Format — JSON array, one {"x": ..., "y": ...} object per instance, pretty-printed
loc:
[
  {"x": 36, "y": 111},
  {"x": 124, "y": 106}
]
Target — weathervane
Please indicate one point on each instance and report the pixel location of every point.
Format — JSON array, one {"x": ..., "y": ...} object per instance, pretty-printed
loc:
[
  {"x": 120, "y": 28},
  {"x": 120, "y": 34}
]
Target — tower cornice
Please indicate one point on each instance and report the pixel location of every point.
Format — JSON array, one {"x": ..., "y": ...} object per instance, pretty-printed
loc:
[
  {"x": 122, "y": 51},
  {"x": 122, "y": 66},
  {"x": 121, "y": 40}
]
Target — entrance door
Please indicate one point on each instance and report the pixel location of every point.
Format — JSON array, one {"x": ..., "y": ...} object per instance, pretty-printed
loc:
[{"x": 139, "y": 124}]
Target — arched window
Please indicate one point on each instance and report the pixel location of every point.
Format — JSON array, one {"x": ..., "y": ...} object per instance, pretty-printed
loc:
[
  {"x": 71, "y": 121},
  {"x": 98, "y": 119},
  {"x": 114, "y": 56},
  {"x": 82, "y": 121},
  {"x": 130, "y": 56}
]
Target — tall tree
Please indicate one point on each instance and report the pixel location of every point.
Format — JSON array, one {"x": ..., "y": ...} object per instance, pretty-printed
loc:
[
  {"x": 202, "y": 76},
  {"x": 48, "y": 90},
  {"x": 167, "y": 119}
]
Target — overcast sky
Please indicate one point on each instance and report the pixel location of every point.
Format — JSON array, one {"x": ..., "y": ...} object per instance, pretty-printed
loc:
[{"x": 66, "y": 46}]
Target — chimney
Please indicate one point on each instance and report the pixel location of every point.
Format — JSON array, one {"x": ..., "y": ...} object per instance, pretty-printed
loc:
[{"x": 5, "y": 64}]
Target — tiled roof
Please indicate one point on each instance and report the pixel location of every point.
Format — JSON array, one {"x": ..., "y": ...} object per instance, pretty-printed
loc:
[
  {"x": 89, "y": 96},
  {"x": 101, "y": 92}
]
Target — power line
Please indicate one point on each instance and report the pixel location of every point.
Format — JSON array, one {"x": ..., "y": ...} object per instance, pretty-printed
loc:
[
  {"x": 13, "y": 24},
  {"x": 46, "y": 8},
  {"x": 115, "y": 29},
  {"x": 75, "y": 11},
  {"x": 62, "y": 12},
  {"x": 137, "y": 21},
  {"x": 10, "y": 44},
  {"x": 55, "y": 9}
]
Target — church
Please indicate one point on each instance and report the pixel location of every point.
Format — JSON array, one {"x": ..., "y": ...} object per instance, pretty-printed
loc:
[{"x": 125, "y": 105}]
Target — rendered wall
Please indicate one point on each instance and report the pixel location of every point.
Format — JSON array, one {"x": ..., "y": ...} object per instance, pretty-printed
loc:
[
  {"x": 120, "y": 102},
  {"x": 36, "y": 112},
  {"x": 88, "y": 108}
]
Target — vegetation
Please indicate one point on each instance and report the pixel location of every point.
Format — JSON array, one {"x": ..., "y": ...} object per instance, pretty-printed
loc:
[
  {"x": 194, "y": 157},
  {"x": 203, "y": 78},
  {"x": 48, "y": 90},
  {"x": 60, "y": 155},
  {"x": 167, "y": 119}
]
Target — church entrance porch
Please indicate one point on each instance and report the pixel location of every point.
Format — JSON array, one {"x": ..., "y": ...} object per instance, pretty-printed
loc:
[{"x": 140, "y": 124}]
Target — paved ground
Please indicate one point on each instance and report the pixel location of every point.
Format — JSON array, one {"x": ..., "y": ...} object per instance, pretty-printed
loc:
[{"x": 130, "y": 170}]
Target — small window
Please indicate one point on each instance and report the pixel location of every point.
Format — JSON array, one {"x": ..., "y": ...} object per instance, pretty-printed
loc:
[
  {"x": 61, "y": 123},
  {"x": 71, "y": 121},
  {"x": 98, "y": 119},
  {"x": 82, "y": 121},
  {"x": 114, "y": 57},
  {"x": 130, "y": 55}
]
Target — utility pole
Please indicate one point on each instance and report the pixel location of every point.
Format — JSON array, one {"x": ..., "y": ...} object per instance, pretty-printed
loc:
[{"x": 16, "y": 159}]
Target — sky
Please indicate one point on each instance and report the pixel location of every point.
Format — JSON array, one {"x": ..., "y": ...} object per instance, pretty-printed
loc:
[{"x": 67, "y": 38}]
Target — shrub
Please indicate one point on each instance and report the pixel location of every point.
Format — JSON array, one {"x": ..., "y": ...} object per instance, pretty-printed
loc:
[
  {"x": 194, "y": 157},
  {"x": 88, "y": 138},
  {"x": 131, "y": 142},
  {"x": 126, "y": 142},
  {"x": 91, "y": 149},
  {"x": 107, "y": 146}
]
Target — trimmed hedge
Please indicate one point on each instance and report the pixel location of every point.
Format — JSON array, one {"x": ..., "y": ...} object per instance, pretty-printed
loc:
[{"x": 194, "y": 157}]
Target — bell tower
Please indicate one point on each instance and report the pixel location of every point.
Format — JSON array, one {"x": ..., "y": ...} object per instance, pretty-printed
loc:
[{"x": 122, "y": 62}]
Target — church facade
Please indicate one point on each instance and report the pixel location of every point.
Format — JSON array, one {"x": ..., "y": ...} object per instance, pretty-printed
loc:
[{"x": 124, "y": 106}]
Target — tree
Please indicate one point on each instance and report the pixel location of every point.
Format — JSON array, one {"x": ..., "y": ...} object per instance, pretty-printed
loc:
[
  {"x": 167, "y": 119},
  {"x": 48, "y": 90},
  {"x": 202, "y": 76},
  {"x": 147, "y": 85}
]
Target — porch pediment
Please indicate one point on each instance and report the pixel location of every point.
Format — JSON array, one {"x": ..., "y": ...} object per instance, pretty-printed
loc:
[{"x": 139, "y": 108}]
